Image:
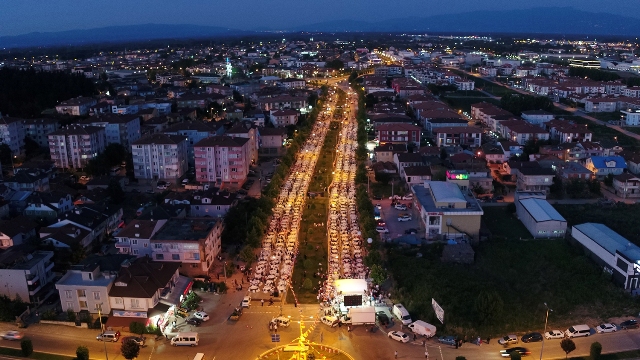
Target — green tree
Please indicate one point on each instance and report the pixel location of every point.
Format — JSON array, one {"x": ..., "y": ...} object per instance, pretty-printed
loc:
[
  {"x": 136, "y": 327},
  {"x": 115, "y": 192},
  {"x": 608, "y": 180},
  {"x": 567, "y": 346},
  {"x": 31, "y": 147},
  {"x": 383, "y": 177},
  {"x": 130, "y": 350},
  {"x": 246, "y": 254},
  {"x": 488, "y": 306},
  {"x": 378, "y": 274},
  {"x": 307, "y": 284},
  {"x": 594, "y": 186},
  {"x": 27, "y": 347},
  {"x": 82, "y": 353},
  {"x": 595, "y": 351}
]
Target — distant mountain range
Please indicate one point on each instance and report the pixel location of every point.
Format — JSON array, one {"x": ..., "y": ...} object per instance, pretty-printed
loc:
[
  {"x": 556, "y": 20},
  {"x": 560, "y": 20},
  {"x": 116, "y": 34}
]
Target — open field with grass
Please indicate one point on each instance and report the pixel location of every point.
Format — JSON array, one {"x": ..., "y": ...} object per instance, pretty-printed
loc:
[
  {"x": 506, "y": 287},
  {"x": 601, "y": 132},
  {"x": 622, "y": 218}
]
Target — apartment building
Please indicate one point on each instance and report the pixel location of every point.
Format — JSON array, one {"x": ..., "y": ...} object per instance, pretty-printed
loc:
[
  {"x": 27, "y": 276},
  {"x": 135, "y": 238},
  {"x": 160, "y": 157},
  {"x": 74, "y": 146},
  {"x": 458, "y": 135},
  {"x": 119, "y": 129},
  {"x": 193, "y": 242},
  {"x": 222, "y": 159},
  {"x": 194, "y": 131},
  {"x": 272, "y": 140},
  {"x": 85, "y": 287},
  {"x": 537, "y": 117},
  {"x": 399, "y": 133},
  {"x": 631, "y": 117},
  {"x": 39, "y": 129},
  {"x": 281, "y": 118},
  {"x": 246, "y": 129},
  {"x": 77, "y": 107},
  {"x": 567, "y": 132},
  {"x": 12, "y": 134}
]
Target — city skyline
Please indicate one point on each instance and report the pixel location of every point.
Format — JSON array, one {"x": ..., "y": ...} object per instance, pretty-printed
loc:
[{"x": 23, "y": 17}]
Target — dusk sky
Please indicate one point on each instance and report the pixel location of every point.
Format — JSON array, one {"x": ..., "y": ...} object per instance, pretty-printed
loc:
[{"x": 25, "y": 16}]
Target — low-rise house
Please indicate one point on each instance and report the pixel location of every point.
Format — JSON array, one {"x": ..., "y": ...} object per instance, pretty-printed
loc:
[
  {"x": 28, "y": 180},
  {"x": 534, "y": 179},
  {"x": 567, "y": 132},
  {"x": 600, "y": 104},
  {"x": 282, "y": 118},
  {"x": 633, "y": 161},
  {"x": 615, "y": 254},
  {"x": 436, "y": 123},
  {"x": 135, "y": 238},
  {"x": 26, "y": 277},
  {"x": 67, "y": 237},
  {"x": 626, "y": 185},
  {"x": 48, "y": 206},
  {"x": 16, "y": 231},
  {"x": 403, "y": 160},
  {"x": 573, "y": 170},
  {"x": 272, "y": 141},
  {"x": 458, "y": 136},
  {"x": 387, "y": 152},
  {"x": 407, "y": 134},
  {"x": 538, "y": 216},
  {"x": 77, "y": 107},
  {"x": 521, "y": 131},
  {"x": 193, "y": 242},
  {"x": 631, "y": 117},
  {"x": 602, "y": 166},
  {"x": 211, "y": 203},
  {"x": 537, "y": 117},
  {"x": 446, "y": 212},
  {"x": 85, "y": 288},
  {"x": 492, "y": 153},
  {"x": 416, "y": 175}
]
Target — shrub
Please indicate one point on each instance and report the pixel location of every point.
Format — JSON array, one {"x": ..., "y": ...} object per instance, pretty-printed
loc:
[
  {"x": 71, "y": 315},
  {"x": 82, "y": 353},
  {"x": 27, "y": 347},
  {"x": 130, "y": 350},
  {"x": 136, "y": 327},
  {"x": 307, "y": 284},
  {"x": 595, "y": 350}
]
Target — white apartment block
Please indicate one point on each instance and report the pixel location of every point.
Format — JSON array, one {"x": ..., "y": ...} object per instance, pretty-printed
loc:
[
  {"x": 222, "y": 159},
  {"x": 39, "y": 129},
  {"x": 74, "y": 146},
  {"x": 12, "y": 134},
  {"x": 160, "y": 157},
  {"x": 76, "y": 107},
  {"x": 280, "y": 118},
  {"x": 85, "y": 287},
  {"x": 119, "y": 129},
  {"x": 631, "y": 117}
]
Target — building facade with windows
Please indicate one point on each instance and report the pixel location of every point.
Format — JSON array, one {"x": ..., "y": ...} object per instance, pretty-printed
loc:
[
  {"x": 39, "y": 129},
  {"x": 222, "y": 159},
  {"x": 160, "y": 157},
  {"x": 28, "y": 277},
  {"x": 85, "y": 287},
  {"x": 74, "y": 146},
  {"x": 12, "y": 134}
]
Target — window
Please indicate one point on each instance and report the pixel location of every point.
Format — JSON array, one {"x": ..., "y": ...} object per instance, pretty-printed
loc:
[
  {"x": 134, "y": 242},
  {"x": 67, "y": 294},
  {"x": 82, "y": 304},
  {"x": 159, "y": 256},
  {"x": 119, "y": 300},
  {"x": 135, "y": 303},
  {"x": 157, "y": 246},
  {"x": 81, "y": 293},
  {"x": 135, "y": 251},
  {"x": 196, "y": 256},
  {"x": 96, "y": 295},
  {"x": 69, "y": 305},
  {"x": 175, "y": 256}
]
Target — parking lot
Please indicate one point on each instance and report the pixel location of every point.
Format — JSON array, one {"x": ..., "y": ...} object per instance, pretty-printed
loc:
[{"x": 390, "y": 215}]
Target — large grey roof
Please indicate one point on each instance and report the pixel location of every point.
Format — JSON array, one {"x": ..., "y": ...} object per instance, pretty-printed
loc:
[
  {"x": 609, "y": 240},
  {"x": 541, "y": 210}
]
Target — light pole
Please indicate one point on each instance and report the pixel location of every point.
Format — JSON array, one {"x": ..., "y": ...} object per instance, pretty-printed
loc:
[
  {"x": 545, "y": 328},
  {"x": 102, "y": 329},
  {"x": 224, "y": 269}
]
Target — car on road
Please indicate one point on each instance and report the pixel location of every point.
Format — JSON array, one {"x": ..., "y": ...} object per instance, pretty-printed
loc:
[
  {"x": 382, "y": 317},
  {"x": 394, "y": 197},
  {"x": 554, "y": 334},
  {"x": 193, "y": 321},
  {"x": 382, "y": 229},
  {"x": 201, "y": 315},
  {"x": 379, "y": 206},
  {"x": 401, "y": 207},
  {"x": 185, "y": 181},
  {"x": 629, "y": 324},
  {"x": 12, "y": 335},
  {"x": 398, "y": 336},
  {"x": 411, "y": 231},
  {"x": 246, "y": 302},
  {"x": 109, "y": 335},
  {"x": 136, "y": 339},
  {"x": 408, "y": 197},
  {"x": 518, "y": 349},
  {"x": 447, "y": 340},
  {"x": 331, "y": 321},
  {"x": 404, "y": 217},
  {"x": 606, "y": 328},
  {"x": 380, "y": 222},
  {"x": 508, "y": 339},
  {"x": 531, "y": 337},
  {"x": 281, "y": 321}
]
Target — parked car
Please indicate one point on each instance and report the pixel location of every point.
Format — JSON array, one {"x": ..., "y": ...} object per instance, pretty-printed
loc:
[
  {"x": 401, "y": 207},
  {"x": 201, "y": 315},
  {"x": 379, "y": 206},
  {"x": 377, "y": 197},
  {"x": 404, "y": 217},
  {"x": 382, "y": 229},
  {"x": 629, "y": 324},
  {"x": 531, "y": 337},
  {"x": 185, "y": 181},
  {"x": 246, "y": 302},
  {"x": 109, "y": 335},
  {"x": 136, "y": 339},
  {"x": 382, "y": 317},
  {"x": 554, "y": 334},
  {"x": 521, "y": 350},
  {"x": 408, "y": 197},
  {"x": 12, "y": 335},
  {"x": 281, "y": 321},
  {"x": 448, "y": 340},
  {"x": 606, "y": 328},
  {"x": 508, "y": 339},
  {"x": 380, "y": 222},
  {"x": 399, "y": 336},
  {"x": 331, "y": 321},
  {"x": 394, "y": 197},
  {"x": 193, "y": 321}
]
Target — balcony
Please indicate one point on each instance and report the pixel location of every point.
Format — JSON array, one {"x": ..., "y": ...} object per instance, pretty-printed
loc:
[{"x": 32, "y": 279}]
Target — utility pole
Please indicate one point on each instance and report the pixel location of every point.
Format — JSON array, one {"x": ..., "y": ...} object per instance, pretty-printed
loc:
[
  {"x": 545, "y": 329},
  {"x": 102, "y": 329}
]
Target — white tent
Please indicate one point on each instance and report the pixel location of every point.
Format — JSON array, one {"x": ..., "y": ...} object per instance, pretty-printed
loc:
[{"x": 350, "y": 286}]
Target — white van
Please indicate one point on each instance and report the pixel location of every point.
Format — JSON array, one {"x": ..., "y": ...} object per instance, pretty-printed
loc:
[
  {"x": 578, "y": 331},
  {"x": 402, "y": 314},
  {"x": 185, "y": 338}
]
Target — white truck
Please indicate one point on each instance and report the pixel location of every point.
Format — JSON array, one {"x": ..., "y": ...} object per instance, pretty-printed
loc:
[
  {"x": 362, "y": 316},
  {"x": 422, "y": 328}
]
